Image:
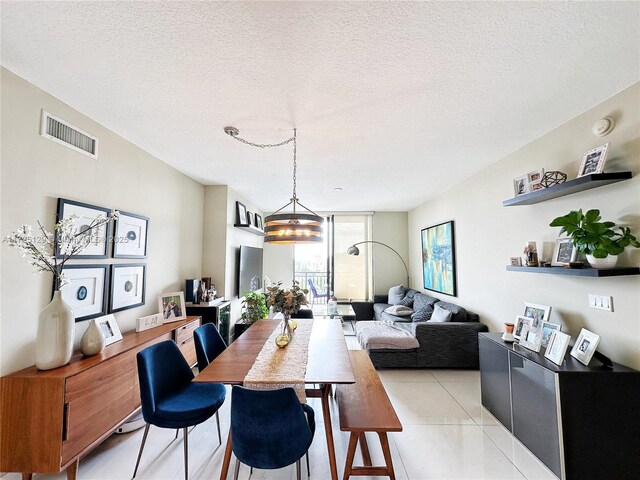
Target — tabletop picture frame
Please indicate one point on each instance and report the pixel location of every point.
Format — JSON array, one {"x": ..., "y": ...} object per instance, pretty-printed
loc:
[
  {"x": 130, "y": 239},
  {"x": 593, "y": 161},
  {"x": 530, "y": 338},
  {"x": 547, "y": 329},
  {"x": 109, "y": 328},
  {"x": 172, "y": 307},
  {"x": 585, "y": 346},
  {"x": 557, "y": 347},
  {"x": 520, "y": 323},
  {"x": 86, "y": 214},
  {"x": 86, "y": 292},
  {"x": 564, "y": 252},
  {"x": 539, "y": 313}
]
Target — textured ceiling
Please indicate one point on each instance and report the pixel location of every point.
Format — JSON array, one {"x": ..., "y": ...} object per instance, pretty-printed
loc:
[{"x": 394, "y": 102}]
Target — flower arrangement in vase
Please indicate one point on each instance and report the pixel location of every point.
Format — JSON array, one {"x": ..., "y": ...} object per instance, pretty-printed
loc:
[
  {"x": 288, "y": 302},
  {"x": 56, "y": 323}
]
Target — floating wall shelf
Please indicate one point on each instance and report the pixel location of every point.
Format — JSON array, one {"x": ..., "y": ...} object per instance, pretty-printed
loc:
[
  {"x": 578, "y": 272},
  {"x": 250, "y": 229},
  {"x": 576, "y": 185}
]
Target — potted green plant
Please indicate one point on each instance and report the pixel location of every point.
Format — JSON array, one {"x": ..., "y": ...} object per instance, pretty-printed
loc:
[
  {"x": 602, "y": 242},
  {"x": 254, "y": 307}
]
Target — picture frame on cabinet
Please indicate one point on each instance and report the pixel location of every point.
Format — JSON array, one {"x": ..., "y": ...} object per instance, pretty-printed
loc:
[
  {"x": 171, "y": 306},
  {"x": 128, "y": 283},
  {"x": 86, "y": 215},
  {"x": 530, "y": 338},
  {"x": 593, "y": 161},
  {"x": 557, "y": 347},
  {"x": 86, "y": 292},
  {"x": 585, "y": 346},
  {"x": 538, "y": 313},
  {"x": 241, "y": 214},
  {"x": 564, "y": 252},
  {"x": 547, "y": 329},
  {"x": 130, "y": 239},
  {"x": 520, "y": 323},
  {"x": 109, "y": 328}
]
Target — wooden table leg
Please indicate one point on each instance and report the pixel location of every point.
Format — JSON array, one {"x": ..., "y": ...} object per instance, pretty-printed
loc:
[
  {"x": 27, "y": 475},
  {"x": 72, "y": 470},
  {"x": 384, "y": 441},
  {"x": 227, "y": 459},
  {"x": 364, "y": 447},
  {"x": 351, "y": 452},
  {"x": 329, "y": 431}
]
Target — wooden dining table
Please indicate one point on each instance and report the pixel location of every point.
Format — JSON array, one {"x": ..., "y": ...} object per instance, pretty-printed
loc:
[{"x": 328, "y": 364}]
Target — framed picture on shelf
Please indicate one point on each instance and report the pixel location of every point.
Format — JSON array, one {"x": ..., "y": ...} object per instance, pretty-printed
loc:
[
  {"x": 557, "y": 347},
  {"x": 537, "y": 313},
  {"x": 534, "y": 180},
  {"x": 593, "y": 161},
  {"x": 531, "y": 338},
  {"x": 250, "y": 219},
  {"x": 109, "y": 328},
  {"x": 172, "y": 307},
  {"x": 258, "y": 221},
  {"x": 520, "y": 185},
  {"x": 585, "y": 346},
  {"x": 241, "y": 214},
  {"x": 520, "y": 323},
  {"x": 547, "y": 329},
  {"x": 439, "y": 258},
  {"x": 86, "y": 292},
  {"x": 564, "y": 252},
  {"x": 516, "y": 261},
  {"x": 130, "y": 239},
  {"x": 128, "y": 282},
  {"x": 85, "y": 216}
]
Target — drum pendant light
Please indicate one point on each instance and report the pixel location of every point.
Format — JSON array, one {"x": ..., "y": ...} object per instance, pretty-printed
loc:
[{"x": 301, "y": 225}]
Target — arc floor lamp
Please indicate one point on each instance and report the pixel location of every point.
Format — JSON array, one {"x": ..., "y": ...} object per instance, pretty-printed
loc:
[{"x": 354, "y": 250}]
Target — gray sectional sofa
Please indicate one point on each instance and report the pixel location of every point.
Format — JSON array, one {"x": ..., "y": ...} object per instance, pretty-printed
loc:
[{"x": 452, "y": 343}]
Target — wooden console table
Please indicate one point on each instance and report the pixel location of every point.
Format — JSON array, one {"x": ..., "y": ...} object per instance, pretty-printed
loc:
[{"x": 50, "y": 419}]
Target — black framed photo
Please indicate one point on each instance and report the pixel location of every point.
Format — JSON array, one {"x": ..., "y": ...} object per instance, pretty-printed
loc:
[
  {"x": 86, "y": 292},
  {"x": 439, "y": 259},
  {"x": 241, "y": 214},
  {"x": 130, "y": 239},
  {"x": 258, "y": 221},
  {"x": 128, "y": 282},
  {"x": 85, "y": 216},
  {"x": 250, "y": 220}
]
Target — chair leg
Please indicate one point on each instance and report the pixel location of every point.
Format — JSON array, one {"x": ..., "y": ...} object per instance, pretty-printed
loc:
[
  {"x": 236, "y": 470},
  {"x": 218, "y": 422},
  {"x": 298, "y": 469},
  {"x": 177, "y": 430},
  {"x": 144, "y": 440},
  {"x": 251, "y": 471},
  {"x": 308, "y": 469},
  {"x": 186, "y": 453}
]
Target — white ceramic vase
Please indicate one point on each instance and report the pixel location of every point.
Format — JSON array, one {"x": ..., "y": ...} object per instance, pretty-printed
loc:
[
  {"x": 609, "y": 261},
  {"x": 56, "y": 332},
  {"x": 93, "y": 340}
]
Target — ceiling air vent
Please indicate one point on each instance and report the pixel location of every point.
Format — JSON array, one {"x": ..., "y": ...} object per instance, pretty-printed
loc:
[{"x": 63, "y": 132}]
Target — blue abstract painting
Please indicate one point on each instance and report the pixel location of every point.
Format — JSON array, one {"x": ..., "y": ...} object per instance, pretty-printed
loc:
[{"x": 438, "y": 258}]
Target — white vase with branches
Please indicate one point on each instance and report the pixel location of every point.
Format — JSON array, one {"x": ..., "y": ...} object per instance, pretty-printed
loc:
[{"x": 56, "y": 323}]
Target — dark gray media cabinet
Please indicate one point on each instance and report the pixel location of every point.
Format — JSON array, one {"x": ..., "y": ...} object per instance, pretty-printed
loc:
[{"x": 581, "y": 422}]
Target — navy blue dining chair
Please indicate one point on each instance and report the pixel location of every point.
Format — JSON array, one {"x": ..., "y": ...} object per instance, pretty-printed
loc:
[
  {"x": 209, "y": 344},
  {"x": 169, "y": 397},
  {"x": 269, "y": 429}
]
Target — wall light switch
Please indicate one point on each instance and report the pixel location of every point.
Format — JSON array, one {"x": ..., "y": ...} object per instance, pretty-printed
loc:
[{"x": 601, "y": 302}]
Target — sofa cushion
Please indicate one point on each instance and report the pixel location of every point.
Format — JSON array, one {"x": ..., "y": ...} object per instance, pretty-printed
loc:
[
  {"x": 458, "y": 313},
  {"x": 422, "y": 315},
  {"x": 440, "y": 314},
  {"x": 396, "y": 294},
  {"x": 421, "y": 301},
  {"x": 399, "y": 310},
  {"x": 381, "y": 335},
  {"x": 378, "y": 310},
  {"x": 407, "y": 301}
]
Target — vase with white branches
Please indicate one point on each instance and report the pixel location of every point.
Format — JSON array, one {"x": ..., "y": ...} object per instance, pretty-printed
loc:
[{"x": 49, "y": 251}]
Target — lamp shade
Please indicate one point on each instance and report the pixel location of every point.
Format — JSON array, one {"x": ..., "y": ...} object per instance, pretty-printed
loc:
[
  {"x": 284, "y": 228},
  {"x": 353, "y": 250}
]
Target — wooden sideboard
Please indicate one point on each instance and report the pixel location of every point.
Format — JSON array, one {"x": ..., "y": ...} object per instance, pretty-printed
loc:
[{"x": 50, "y": 419}]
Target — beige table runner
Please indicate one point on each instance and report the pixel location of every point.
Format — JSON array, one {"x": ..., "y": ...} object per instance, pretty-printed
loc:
[{"x": 282, "y": 367}]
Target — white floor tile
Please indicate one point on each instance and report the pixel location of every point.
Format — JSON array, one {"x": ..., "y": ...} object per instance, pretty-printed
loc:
[
  {"x": 468, "y": 396},
  {"x": 457, "y": 375},
  {"x": 405, "y": 375}
]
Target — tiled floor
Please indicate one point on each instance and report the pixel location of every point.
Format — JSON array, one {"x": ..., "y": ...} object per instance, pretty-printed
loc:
[{"x": 447, "y": 435}]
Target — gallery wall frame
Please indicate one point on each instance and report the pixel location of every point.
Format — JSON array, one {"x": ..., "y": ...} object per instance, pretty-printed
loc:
[
  {"x": 86, "y": 292},
  {"x": 130, "y": 238},
  {"x": 87, "y": 213},
  {"x": 128, "y": 285}
]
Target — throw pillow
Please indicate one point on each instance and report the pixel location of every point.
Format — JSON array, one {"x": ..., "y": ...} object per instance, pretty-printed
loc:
[
  {"x": 421, "y": 301},
  {"x": 440, "y": 314},
  {"x": 399, "y": 310},
  {"x": 458, "y": 313},
  {"x": 407, "y": 301},
  {"x": 396, "y": 294},
  {"x": 423, "y": 314}
]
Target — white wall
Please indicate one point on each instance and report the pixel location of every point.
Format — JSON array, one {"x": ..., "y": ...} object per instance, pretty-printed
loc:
[
  {"x": 36, "y": 171},
  {"x": 487, "y": 234},
  {"x": 390, "y": 228}
]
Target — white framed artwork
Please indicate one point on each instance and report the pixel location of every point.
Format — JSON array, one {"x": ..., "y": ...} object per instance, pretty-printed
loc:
[
  {"x": 127, "y": 286},
  {"x": 86, "y": 292},
  {"x": 130, "y": 239}
]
